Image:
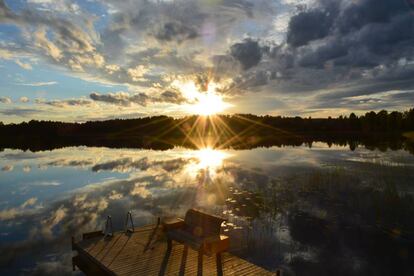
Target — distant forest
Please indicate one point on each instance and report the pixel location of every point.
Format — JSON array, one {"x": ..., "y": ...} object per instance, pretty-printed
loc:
[{"x": 227, "y": 131}]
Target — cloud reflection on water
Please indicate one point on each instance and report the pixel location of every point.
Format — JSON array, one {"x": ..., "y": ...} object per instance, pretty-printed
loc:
[{"x": 267, "y": 194}]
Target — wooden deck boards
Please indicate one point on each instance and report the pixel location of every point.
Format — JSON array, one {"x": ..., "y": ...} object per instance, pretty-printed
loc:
[{"x": 123, "y": 254}]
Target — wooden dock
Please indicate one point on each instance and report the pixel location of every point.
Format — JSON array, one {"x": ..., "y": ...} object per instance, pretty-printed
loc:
[{"x": 144, "y": 252}]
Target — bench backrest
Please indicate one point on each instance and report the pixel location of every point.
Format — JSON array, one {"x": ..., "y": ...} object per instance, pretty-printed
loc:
[{"x": 202, "y": 224}]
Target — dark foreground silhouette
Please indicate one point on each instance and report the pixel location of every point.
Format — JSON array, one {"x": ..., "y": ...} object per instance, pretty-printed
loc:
[{"x": 380, "y": 130}]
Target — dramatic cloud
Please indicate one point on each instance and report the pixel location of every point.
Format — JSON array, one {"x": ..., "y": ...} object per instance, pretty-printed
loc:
[
  {"x": 57, "y": 38},
  {"x": 363, "y": 34},
  {"x": 294, "y": 51},
  {"x": 306, "y": 27},
  {"x": 248, "y": 53},
  {"x": 335, "y": 49}
]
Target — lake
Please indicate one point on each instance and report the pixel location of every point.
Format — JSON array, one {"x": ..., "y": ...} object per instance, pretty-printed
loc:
[{"x": 310, "y": 210}]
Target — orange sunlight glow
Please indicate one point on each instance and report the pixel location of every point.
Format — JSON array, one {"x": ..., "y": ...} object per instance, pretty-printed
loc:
[{"x": 201, "y": 102}]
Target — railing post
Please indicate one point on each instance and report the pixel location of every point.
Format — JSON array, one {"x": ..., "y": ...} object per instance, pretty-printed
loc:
[
  {"x": 129, "y": 218},
  {"x": 109, "y": 232}
]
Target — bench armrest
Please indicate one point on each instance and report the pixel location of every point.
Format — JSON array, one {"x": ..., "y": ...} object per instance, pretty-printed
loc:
[{"x": 216, "y": 244}]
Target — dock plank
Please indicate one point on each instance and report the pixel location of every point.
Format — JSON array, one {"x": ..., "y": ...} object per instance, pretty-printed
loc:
[{"x": 123, "y": 254}]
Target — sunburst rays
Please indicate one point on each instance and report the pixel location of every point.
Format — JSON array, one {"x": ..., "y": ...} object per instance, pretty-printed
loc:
[{"x": 202, "y": 99}]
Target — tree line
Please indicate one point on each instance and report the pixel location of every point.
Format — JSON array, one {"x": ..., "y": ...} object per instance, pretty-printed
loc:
[
  {"x": 248, "y": 124},
  {"x": 380, "y": 130}
]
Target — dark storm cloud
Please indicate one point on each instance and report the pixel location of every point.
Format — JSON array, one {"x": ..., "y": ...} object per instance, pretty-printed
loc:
[
  {"x": 361, "y": 13},
  {"x": 345, "y": 47},
  {"x": 341, "y": 47},
  {"x": 365, "y": 33},
  {"x": 248, "y": 53},
  {"x": 175, "y": 31},
  {"x": 308, "y": 26}
]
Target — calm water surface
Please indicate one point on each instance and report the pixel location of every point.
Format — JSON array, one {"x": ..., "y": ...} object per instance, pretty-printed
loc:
[{"x": 310, "y": 211}]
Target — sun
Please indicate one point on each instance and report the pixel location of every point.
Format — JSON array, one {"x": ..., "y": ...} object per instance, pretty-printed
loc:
[
  {"x": 202, "y": 102},
  {"x": 208, "y": 104}
]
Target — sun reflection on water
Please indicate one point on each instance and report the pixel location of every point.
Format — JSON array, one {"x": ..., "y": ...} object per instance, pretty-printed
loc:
[
  {"x": 207, "y": 160},
  {"x": 210, "y": 158}
]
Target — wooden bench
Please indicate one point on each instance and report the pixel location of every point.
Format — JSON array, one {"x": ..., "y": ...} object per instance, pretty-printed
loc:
[{"x": 201, "y": 232}]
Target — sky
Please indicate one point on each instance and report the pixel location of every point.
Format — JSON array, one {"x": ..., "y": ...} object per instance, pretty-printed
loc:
[{"x": 72, "y": 60}]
